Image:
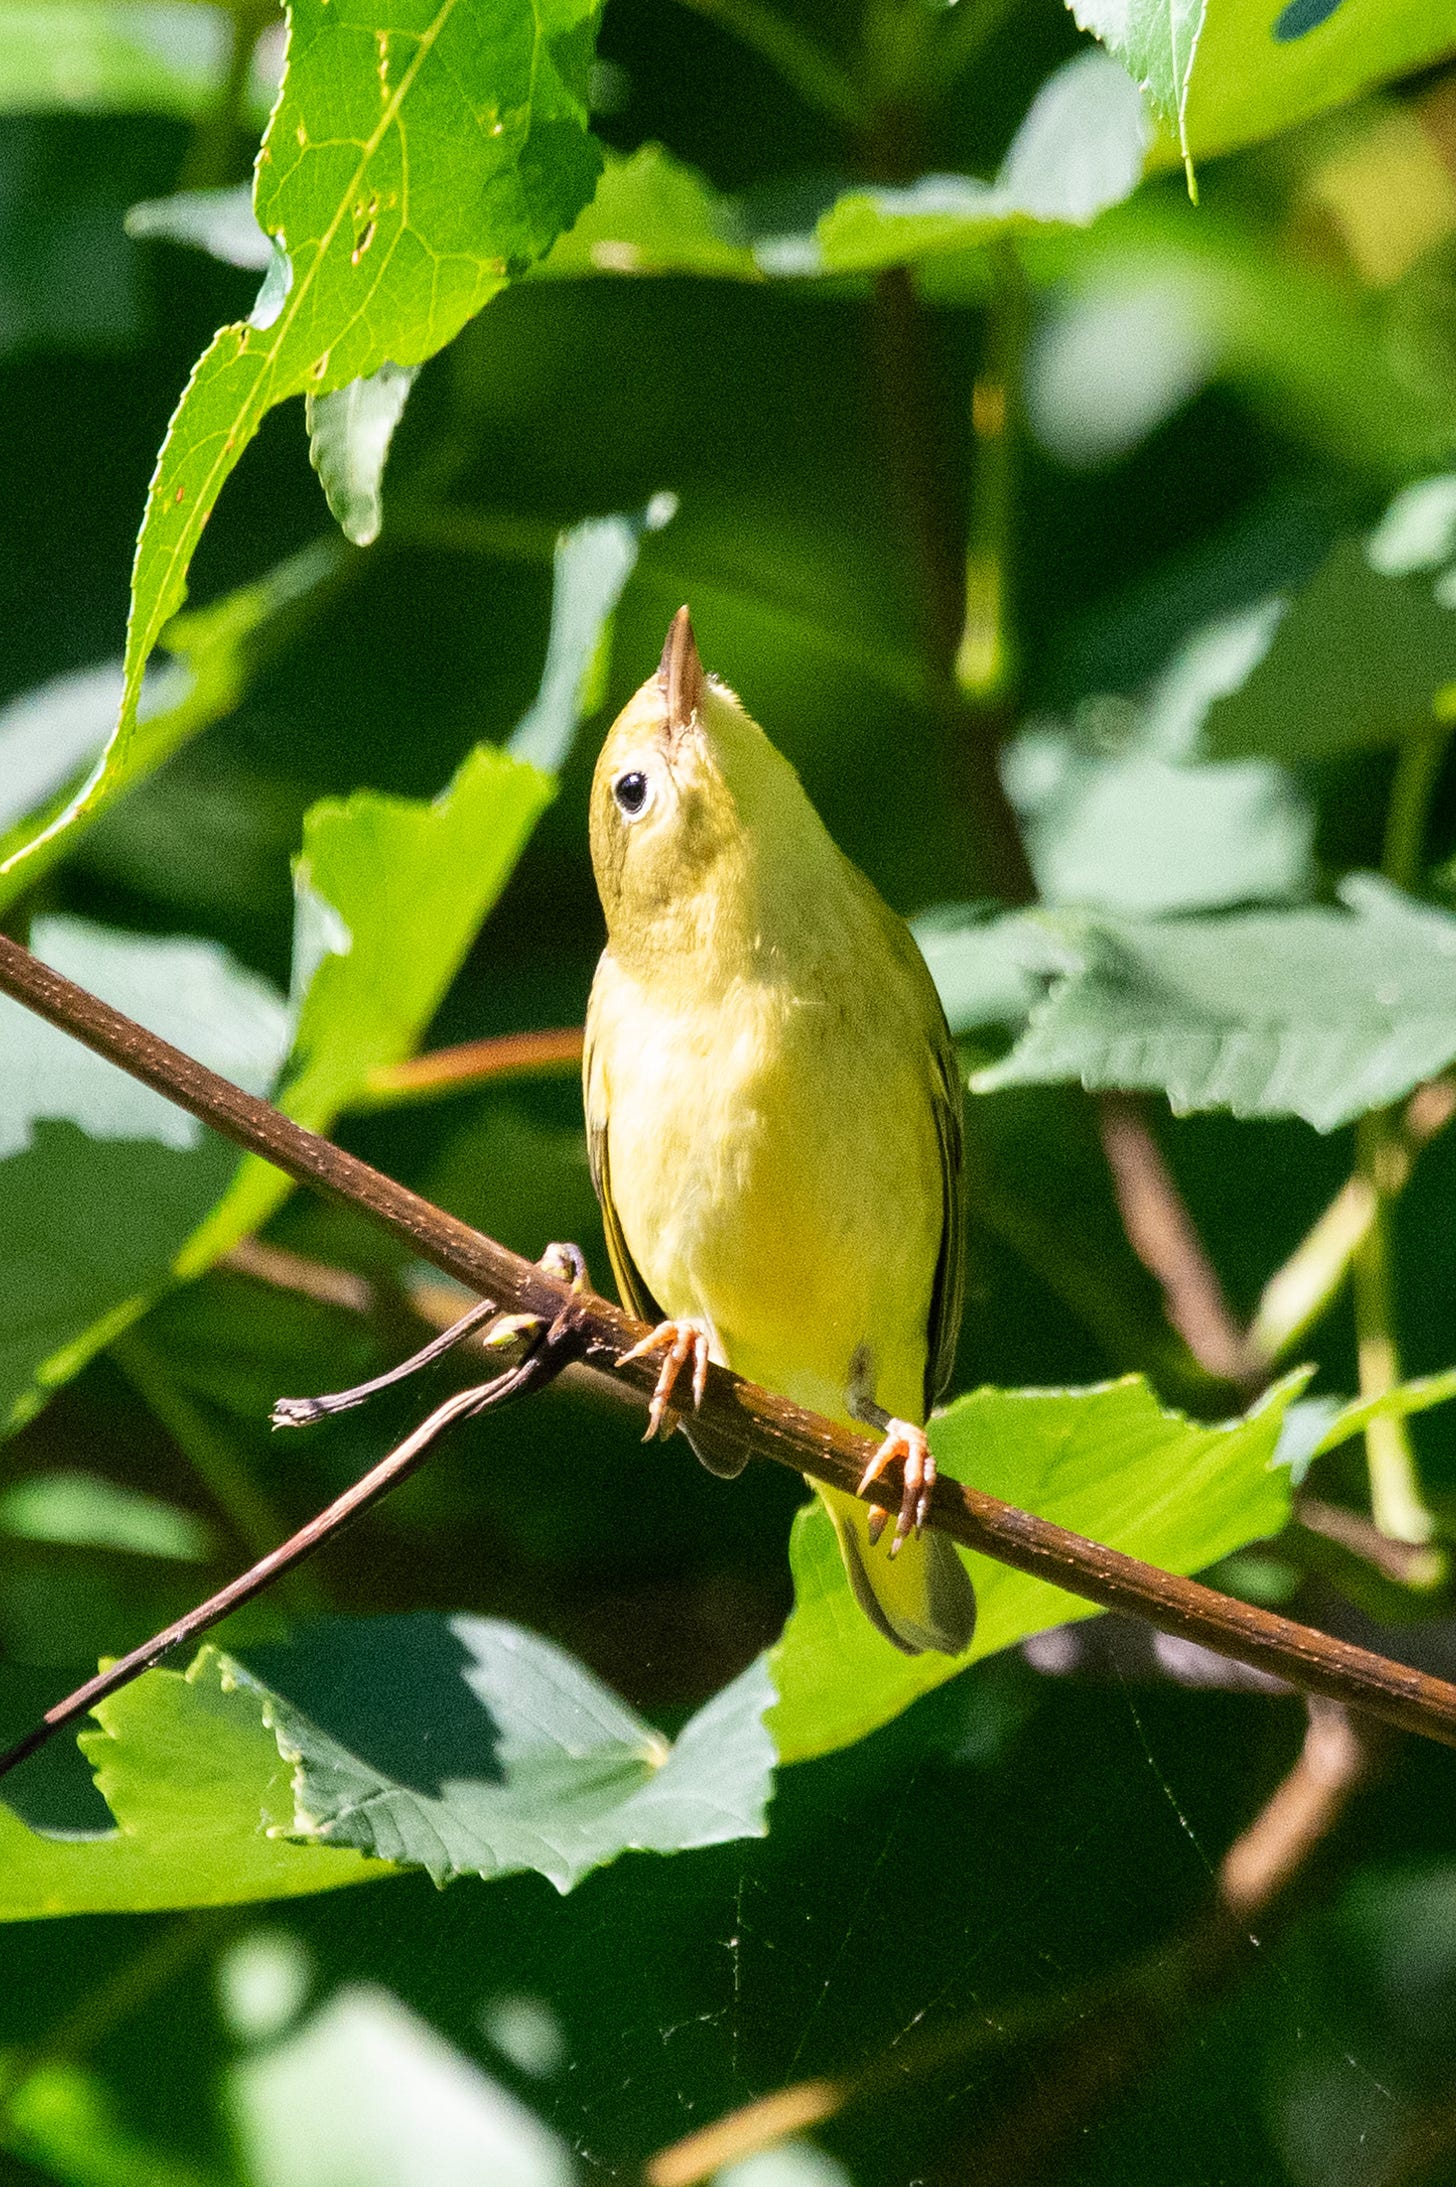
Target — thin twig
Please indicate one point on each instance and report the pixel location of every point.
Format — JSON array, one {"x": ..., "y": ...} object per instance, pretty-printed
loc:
[
  {"x": 736, "y": 1415},
  {"x": 815, "y": 75},
  {"x": 1161, "y": 1233},
  {"x": 542, "y": 1363},
  {"x": 473, "y": 1063},
  {"x": 1297, "y": 1294}
]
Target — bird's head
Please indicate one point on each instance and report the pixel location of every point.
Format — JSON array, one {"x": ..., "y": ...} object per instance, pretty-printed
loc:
[{"x": 687, "y": 798}]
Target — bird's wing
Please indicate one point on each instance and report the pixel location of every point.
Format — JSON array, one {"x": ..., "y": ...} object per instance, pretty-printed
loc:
[
  {"x": 631, "y": 1288},
  {"x": 947, "y": 1292}
]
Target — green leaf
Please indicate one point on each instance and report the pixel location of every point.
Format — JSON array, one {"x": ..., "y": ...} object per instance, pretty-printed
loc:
[
  {"x": 1359, "y": 658},
  {"x": 1136, "y": 834},
  {"x": 391, "y": 892},
  {"x": 50, "y": 735},
  {"x": 110, "y": 58},
  {"x": 592, "y": 564},
  {"x": 1110, "y": 1463},
  {"x": 355, "y": 2096},
  {"x": 1079, "y": 150},
  {"x": 85, "y": 1508},
  {"x": 652, "y": 214},
  {"x": 461, "y": 1745},
  {"x": 467, "y": 1746},
  {"x": 419, "y": 154},
  {"x": 1319, "y": 1013},
  {"x": 201, "y": 1798},
  {"x": 349, "y": 432},
  {"x": 1228, "y": 72},
  {"x": 101, "y": 1179}
]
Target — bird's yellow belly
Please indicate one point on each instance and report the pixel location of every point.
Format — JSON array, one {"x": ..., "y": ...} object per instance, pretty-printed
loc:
[{"x": 799, "y": 1219}]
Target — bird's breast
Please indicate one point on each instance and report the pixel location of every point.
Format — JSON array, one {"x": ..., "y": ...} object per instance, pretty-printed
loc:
[{"x": 775, "y": 1171}]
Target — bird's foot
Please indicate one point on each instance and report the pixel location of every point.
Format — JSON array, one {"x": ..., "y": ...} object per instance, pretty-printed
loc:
[
  {"x": 905, "y": 1441},
  {"x": 679, "y": 1342}
]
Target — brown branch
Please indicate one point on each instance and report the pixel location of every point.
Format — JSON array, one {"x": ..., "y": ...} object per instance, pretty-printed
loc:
[
  {"x": 737, "y": 1416},
  {"x": 473, "y": 1063},
  {"x": 1161, "y": 1233}
]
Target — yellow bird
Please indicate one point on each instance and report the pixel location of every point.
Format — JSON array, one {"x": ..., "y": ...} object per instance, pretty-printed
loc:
[{"x": 774, "y": 1112}]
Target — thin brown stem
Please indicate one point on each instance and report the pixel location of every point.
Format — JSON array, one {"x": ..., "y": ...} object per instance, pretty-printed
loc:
[
  {"x": 1161, "y": 1233},
  {"x": 474, "y": 1063},
  {"x": 736, "y": 1415}
]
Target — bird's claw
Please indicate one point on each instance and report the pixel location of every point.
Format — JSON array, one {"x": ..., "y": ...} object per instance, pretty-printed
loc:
[
  {"x": 908, "y": 1443},
  {"x": 679, "y": 1342}
]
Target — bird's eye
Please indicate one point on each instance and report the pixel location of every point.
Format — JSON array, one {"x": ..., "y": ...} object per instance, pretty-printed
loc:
[{"x": 630, "y": 791}]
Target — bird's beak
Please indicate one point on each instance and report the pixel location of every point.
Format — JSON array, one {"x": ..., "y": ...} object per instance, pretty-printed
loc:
[{"x": 680, "y": 675}]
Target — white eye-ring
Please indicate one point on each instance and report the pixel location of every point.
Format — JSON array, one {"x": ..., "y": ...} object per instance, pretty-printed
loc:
[{"x": 632, "y": 790}]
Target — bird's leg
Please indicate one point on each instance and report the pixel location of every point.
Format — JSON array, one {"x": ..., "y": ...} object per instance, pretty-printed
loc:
[
  {"x": 679, "y": 1342},
  {"x": 904, "y": 1440}
]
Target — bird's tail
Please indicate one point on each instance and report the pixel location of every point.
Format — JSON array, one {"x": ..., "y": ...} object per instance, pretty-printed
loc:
[{"x": 922, "y": 1598}]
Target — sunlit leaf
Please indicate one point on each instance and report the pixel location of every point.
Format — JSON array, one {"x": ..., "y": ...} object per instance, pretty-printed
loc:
[
  {"x": 107, "y": 57},
  {"x": 200, "y": 1796},
  {"x": 418, "y": 156},
  {"x": 1110, "y": 1463},
  {"x": 460, "y": 1745},
  {"x": 391, "y": 892}
]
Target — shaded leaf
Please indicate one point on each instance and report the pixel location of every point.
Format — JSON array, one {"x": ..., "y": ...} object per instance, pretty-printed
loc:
[
  {"x": 101, "y": 1179},
  {"x": 1318, "y": 1013},
  {"x": 63, "y": 2120},
  {"x": 1109, "y": 1462},
  {"x": 1358, "y": 658},
  {"x": 220, "y": 222},
  {"x": 468, "y": 1746},
  {"x": 417, "y": 156},
  {"x": 52, "y": 733},
  {"x": 1136, "y": 834}
]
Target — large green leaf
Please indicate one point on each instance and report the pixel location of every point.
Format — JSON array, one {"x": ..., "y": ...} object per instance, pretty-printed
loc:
[
  {"x": 101, "y": 1179},
  {"x": 391, "y": 892},
  {"x": 459, "y": 1745},
  {"x": 1315, "y": 1012},
  {"x": 1110, "y": 1463},
  {"x": 467, "y": 1746},
  {"x": 1362, "y": 656},
  {"x": 1229, "y": 72},
  {"x": 419, "y": 155},
  {"x": 64, "y": 758}
]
